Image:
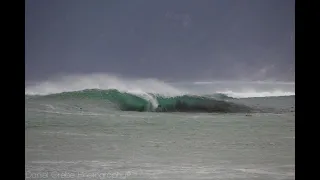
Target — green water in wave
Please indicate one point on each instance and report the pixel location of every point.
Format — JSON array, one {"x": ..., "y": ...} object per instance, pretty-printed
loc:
[{"x": 132, "y": 102}]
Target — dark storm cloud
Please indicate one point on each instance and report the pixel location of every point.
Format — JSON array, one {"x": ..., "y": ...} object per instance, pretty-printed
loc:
[{"x": 168, "y": 39}]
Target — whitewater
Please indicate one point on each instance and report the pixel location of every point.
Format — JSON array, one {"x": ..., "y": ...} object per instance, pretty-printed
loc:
[{"x": 102, "y": 126}]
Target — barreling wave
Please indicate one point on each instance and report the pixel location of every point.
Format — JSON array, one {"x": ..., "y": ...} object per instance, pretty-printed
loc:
[
  {"x": 130, "y": 94},
  {"x": 149, "y": 102}
]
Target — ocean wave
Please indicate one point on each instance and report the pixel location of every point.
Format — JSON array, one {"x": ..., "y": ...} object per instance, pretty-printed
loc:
[
  {"x": 129, "y": 94},
  {"x": 150, "y": 102}
]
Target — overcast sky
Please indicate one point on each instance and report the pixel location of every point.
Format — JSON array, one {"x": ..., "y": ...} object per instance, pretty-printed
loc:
[{"x": 164, "y": 39}]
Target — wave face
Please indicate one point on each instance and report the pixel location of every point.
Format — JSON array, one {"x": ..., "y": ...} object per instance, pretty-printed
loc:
[
  {"x": 150, "y": 102},
  {"x": 143, "y": 95}
]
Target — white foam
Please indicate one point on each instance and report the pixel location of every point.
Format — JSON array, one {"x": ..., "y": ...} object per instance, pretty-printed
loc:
[
  {"x": 253, "y": 93},
  {"x": 245, "y": 82},
  {"x": 141, "y": 87},
  {"x": 102, "y": 81}
]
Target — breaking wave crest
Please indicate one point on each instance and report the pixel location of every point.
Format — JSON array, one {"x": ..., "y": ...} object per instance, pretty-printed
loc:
[{"x": 133, "y": 94}]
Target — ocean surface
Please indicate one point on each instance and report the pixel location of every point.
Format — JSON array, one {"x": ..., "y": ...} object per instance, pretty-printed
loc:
[{"x": 107, "y": 127}]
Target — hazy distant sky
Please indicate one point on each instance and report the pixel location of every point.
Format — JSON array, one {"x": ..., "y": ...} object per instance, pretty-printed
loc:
[{"x": 165, "y": 39}]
